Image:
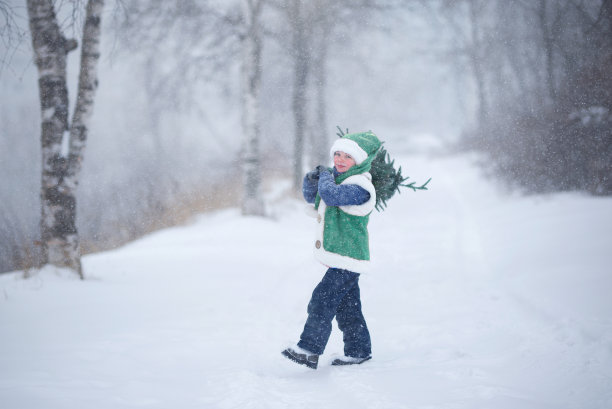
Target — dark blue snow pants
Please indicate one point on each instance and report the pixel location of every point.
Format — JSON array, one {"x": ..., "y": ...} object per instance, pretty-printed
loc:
[{"x": 337, "y": 295}]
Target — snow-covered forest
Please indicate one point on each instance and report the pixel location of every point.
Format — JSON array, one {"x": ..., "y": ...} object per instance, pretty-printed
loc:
[{"x": 199, "y": 105}]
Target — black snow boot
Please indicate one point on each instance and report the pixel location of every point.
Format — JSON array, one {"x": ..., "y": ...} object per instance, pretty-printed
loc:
[
  {"x": 349, "y": 360},
  {"x": 302, "y": 357}
]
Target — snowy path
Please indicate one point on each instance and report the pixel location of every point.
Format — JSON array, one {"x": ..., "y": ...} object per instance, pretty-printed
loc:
[{"x": 479, "y": 301}]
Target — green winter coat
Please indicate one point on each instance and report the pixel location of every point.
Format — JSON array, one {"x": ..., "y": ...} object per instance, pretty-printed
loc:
[{"x": 342, "y": 235}]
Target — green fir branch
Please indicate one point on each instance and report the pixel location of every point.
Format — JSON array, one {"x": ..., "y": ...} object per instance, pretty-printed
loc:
[
  {"x": 385, "y": 178},
  {"x": 340, "y": 132},
  {"x": 415, "y": 188}
]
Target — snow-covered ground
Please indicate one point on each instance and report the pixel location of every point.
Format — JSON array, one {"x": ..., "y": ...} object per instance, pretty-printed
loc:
[{"x": 479, "y": 300}]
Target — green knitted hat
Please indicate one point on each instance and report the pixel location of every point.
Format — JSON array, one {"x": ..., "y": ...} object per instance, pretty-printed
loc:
[{"x": 359, "y": 145}]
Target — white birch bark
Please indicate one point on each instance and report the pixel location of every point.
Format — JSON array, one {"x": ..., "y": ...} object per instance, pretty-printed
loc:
[
  {"x": 320, "y": 140},
  {"x": 88, "y": 84},
  {"x": 59, "y": 235},
  {"x": 301, "y": 66},
  {"x": 252, "y": 200}
]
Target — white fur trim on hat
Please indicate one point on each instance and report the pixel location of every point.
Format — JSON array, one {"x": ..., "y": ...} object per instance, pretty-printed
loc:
[{"x": 351, "y": 147}]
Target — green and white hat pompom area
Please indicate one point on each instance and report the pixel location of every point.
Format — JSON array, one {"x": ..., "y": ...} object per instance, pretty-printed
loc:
[{"x": 358, "y": 145}]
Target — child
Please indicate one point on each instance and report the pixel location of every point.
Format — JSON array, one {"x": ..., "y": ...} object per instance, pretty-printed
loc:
[{"x": 344, "y": 198}]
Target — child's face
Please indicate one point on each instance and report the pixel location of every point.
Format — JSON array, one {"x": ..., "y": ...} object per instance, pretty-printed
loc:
[{"x": 343, "y": 161}]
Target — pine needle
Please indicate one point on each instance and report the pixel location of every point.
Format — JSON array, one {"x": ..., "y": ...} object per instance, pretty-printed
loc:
[{"x": 385, "y": 178}]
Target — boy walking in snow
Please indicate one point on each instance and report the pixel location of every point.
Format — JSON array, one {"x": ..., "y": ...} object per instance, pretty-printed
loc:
[{"x": 344, "y": 197}]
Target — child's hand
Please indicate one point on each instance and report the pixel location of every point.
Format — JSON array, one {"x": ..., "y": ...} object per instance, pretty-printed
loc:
[
  {"x": 321, "y": 168},
  {"x": 325, "y": 178},
  {"x": 313, "y": 175},
  {"x": 324, "y": 171}
]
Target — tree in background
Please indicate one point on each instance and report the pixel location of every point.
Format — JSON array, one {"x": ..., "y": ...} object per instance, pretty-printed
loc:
[
  {"x": 562, "y": 139},
  {"x": 207, "y": 41},
  {"x": 470, "y": 43},
  {"x": 252, "y": 43},
  {"x": 543, "y": 71},
  {"x": 541, "y": 76},
  {"x": 10, "y": 32},
  {"x": 322, "y": 33},
  {"x": 300, "y": 50},
  {"x": 316, "y": 27},
  {"x": 63, "y": 142}
]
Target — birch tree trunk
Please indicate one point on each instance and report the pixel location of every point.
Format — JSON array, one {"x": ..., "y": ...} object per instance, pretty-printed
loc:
[
  {"x": 476, "y": 60},
  {"x": 60, "y": 169},
  {"x": 320, "y": 140},
  {"x": 300, "y": 79},
  {"x": 252, "y": 201},
  {"x": 547, "y": 43}
]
